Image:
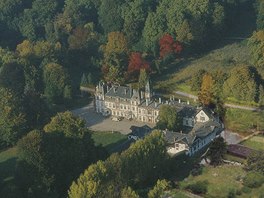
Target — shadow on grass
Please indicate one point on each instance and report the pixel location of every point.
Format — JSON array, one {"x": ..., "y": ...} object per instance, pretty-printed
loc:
[
  {"x": 118, "y": 146},
  {"x": 8, "y": 188}
]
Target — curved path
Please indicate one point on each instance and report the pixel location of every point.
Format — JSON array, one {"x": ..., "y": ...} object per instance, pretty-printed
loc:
[{"x": 226, "y": 104}]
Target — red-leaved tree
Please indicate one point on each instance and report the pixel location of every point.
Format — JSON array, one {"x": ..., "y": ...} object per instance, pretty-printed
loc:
[
  {"x": 136, "y": 63},
  {"x": 169, "y": 46}
]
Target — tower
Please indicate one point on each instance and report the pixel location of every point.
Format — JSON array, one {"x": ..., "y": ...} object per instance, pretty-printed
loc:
[
  {"x": 99, "y": 97},
  {"x": 148, "y": 91}
]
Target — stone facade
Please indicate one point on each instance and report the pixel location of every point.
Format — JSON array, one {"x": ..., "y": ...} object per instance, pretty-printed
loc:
[{"x": 123, "y": 101}]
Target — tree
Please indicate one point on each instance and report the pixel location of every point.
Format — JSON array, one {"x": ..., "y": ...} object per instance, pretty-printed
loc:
[
  {"x": 31, "y": 172},
  {"x": 169, "y": 118},
  {"x": 81, "y": 11},
  {"x": 115, "y": 57},
  {"x": 261, "y": 95},
  {"x": 134, "y": 14},
  {"x": 116, "y": 44},
  {"x": 58, "y": 155},
  {"x": 12, "y": 118},
  {"x": 12, "y": 77},
  {"x": 108, "y": 12},
  {"x": 82, "y": 37},
  {"x": 154, "y": 28},
  {"x": 141, "y": 164},
  {"x": 55, "y": 80},
  {"x": 256, "y": 46},
  {"x": 217, "y": 150},
  {"x": 136, "y": 64},
  {"x": 260, "y": 14},
  {"x": 36, "y": 110},
  {"x": 68, "y": 124},
  {"x": 168, "y": 46},
  {"x": 255, "y": 162},
  {"x": 6, "y": 57},
  {"x": 128, "y": 193},
  {"x": 143, "y": 78},
  {"x": 242, "y": 84},
  {"x": 159, "y": 189},
  {"x": 196, "y": 80},
  {"x": 206, "y": 94}
]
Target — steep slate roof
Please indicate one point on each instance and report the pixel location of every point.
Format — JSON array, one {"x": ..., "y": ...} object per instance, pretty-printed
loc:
[
  {"x": 172, "y": 137},
  {"x": 151, "y": 104},
  {"x": 203, "y": 129},
  {"x": 120, "y": 91},
  {"x": 200, "y": 130}
]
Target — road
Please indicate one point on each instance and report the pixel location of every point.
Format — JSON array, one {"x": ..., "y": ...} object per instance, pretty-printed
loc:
[
  {"x": 226, "y": 104},
  {"x": 97, "y": 122}
]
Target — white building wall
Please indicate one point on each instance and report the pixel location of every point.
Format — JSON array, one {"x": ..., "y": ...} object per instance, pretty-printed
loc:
[{"x": 201, "y": 117}]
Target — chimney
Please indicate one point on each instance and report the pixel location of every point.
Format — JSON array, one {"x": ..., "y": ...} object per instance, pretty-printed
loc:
[
  {"x": 115, "y": 89},
  {"x": 160, "y": 100},
  {"x": 167, "y": 102},
  {"x": 142, "y": 94},
  {"x": 125, "y": 91},
  {"x": 188, "y": 102},
  {"x": 107, "y": 88},
  {"x": 173, "y": 98},
  {"x": 156, "y": 104},
  {"x": 179, "y": 100},
  {"x": 147, "y": 103}
]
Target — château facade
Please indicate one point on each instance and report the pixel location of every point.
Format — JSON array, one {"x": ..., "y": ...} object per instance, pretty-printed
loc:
[{"x": 123, "y": 101}]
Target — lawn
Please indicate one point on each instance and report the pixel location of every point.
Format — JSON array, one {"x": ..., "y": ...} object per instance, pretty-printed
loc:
[
  {"x": 109, "y": 140},
  {"x": 221, "y": 180},
  {"x": 243, "y": 120},
  {"x": 7, "y": 170},
  {"x": 256, "y": 142}
]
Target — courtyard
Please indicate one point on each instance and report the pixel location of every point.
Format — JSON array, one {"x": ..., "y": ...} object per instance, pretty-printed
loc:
[{"x": 97, "y": 122}]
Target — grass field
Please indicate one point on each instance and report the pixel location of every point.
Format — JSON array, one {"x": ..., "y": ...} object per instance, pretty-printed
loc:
[
  {"x": 243, "y": 120},
  {"x": 108, "y": 140},
  {"x": 221, "y": 180},
  {"x": 256, "y": 142},
  {"x": 225, "y": 58}
]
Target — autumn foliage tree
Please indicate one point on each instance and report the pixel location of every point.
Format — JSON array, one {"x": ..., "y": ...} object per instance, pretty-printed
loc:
[
  {"x": 115, "y": 57},
  {"x": 168, "y": 46},
  {"x": 206, "y": 94},
  {"x": 136, "y": 63}
]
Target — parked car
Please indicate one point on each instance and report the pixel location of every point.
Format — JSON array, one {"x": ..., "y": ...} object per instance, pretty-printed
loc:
[
  {"x": 134, "y": 137},
  {"x": 117, "y": 119}
]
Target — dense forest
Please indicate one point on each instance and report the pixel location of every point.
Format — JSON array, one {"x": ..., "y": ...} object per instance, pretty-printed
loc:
[{"x": 49, "y": 48}]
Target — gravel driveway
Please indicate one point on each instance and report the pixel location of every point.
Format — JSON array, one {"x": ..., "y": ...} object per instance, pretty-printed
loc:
[{"x": 97, "y": 122}]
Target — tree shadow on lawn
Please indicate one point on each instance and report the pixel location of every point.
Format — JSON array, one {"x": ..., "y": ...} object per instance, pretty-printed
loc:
[
  {"x": 7, "y": 183},
  {"x": 118, "y": 146}
]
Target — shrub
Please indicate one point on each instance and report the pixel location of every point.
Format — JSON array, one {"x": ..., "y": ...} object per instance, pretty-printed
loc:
[
  {"x": 253, "y": 180},
  {"x": 246, "y": 189},
  {"x": 197, "y": 171},
  {"x": 200, "y": 187},
  {"x": 231, "y": 193},
  {"x": 239, "y": 192}
]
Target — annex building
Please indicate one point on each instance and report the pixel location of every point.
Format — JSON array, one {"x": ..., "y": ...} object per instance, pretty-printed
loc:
[{"x": 200, "y": 125}]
